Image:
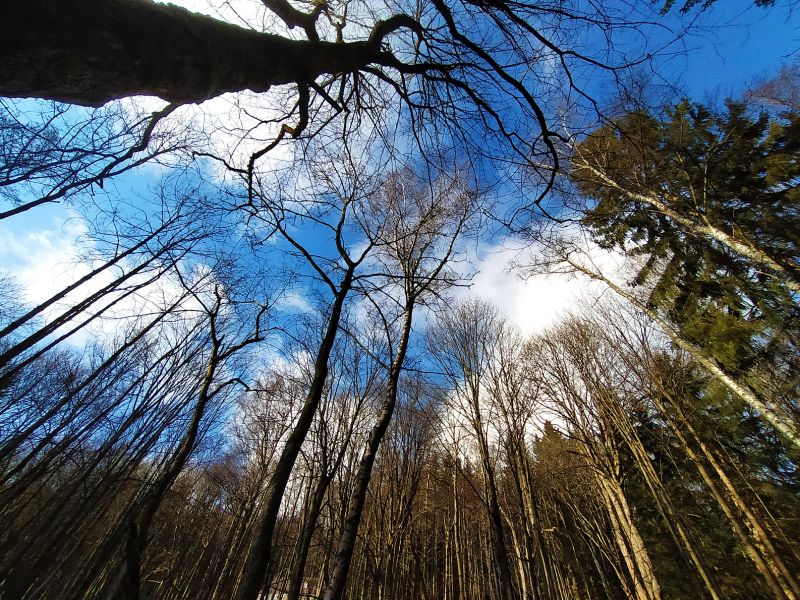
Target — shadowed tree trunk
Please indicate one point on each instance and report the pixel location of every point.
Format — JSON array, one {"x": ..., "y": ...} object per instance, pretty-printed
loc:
[
  {"x": 347, "y": 543},
  {"x": 92, "y": 51},
  {"x": 260, "y": 554}
]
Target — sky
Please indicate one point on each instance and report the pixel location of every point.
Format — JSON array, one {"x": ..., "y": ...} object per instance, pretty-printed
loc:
[
  {"x": 732, "y": 45},
  {"x": 735, "y": 44}
]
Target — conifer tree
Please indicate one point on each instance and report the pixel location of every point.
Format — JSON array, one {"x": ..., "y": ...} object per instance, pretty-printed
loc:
[{"x": 708, "y": 201}]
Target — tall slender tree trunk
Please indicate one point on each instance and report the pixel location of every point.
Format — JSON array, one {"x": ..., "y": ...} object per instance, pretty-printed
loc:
[
  {"x": 304, "y": 545},
  {"x": 782, "y": 423},
  {"x": 495, "y": 515},
  {"x": 745, "y": 523},
  {"x": 260, "y": 552},
  {"x": 347, "y": 542},
  {"x": 628, "y": 540}
]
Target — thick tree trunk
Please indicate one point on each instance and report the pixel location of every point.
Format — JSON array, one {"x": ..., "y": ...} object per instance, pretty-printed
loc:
[
  {"x": 92, "y": 51},
  {"x": 629, "y": 541}
]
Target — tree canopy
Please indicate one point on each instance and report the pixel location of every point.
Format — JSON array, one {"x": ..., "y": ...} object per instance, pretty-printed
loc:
[{"x": 708, "y": 200}]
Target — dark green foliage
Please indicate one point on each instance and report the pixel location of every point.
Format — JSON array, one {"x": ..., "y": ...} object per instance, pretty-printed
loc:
[
  {"x": 757, "y": 463},
  {"x": 732, "y": 171}
]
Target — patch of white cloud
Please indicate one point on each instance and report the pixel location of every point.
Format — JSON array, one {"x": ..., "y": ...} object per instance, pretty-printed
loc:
[
  {"x": 294, "y": 301},
  {"x": 45, "y": 260},
  {"x": 534, "y": 301},
  {"x": 238, "y": 12}
]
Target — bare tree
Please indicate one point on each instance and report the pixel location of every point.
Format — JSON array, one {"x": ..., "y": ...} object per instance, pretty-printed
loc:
[
  {"x": 420, "y": 229},
  {"x": 471, "y": 78},
  {"x": 52, "y": 151},
  {"x": 463, "y": 344}
]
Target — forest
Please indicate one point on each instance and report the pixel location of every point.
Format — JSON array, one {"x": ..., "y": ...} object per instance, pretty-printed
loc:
[{"x": 259, "y": 369}]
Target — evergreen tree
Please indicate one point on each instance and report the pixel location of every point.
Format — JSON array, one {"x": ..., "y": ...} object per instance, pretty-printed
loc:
[{"x": 708, "y": 201}]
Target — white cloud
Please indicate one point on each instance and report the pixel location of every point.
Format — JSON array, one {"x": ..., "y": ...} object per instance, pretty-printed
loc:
[
  {"x": 238, "y": 12},
  {"x": 294, "y": 301},
  {"x": 42, "y": 261},
  {"x": 46, "y": 259},
  {"x": 533, "y": 302}
]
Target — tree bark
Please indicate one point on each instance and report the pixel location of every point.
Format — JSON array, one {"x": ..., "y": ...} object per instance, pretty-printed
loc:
[
  {"x": 260, "y": 553},
  {"x": 782, "y": 423},
  {"x": 344, "y": 554},
  {"x": 92, "y": 51},
  {"x": 629, "y": 541},
  {"x": 304, "y": 544}
]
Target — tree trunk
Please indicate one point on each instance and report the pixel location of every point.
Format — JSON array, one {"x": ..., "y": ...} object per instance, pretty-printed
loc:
[
  {"x": 307, "y": 534},
  {"x": 495, "y": 515},
  {"x": 139, "y": 529},
  {"x": 628, "y": 540},
  {"x": 347, "y": 542},
  {"x": 774, "y": 416},
  {"x": 92, "y": 51},
  {"x": 260, "y": 553}
]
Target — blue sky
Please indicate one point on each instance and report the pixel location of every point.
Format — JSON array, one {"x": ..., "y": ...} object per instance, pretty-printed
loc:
[
  {"x": 734, "y": 43},
  {"x": 729, "y": 46}
]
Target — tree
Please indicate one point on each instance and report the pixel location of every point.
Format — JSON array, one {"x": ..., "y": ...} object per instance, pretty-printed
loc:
[
  {"x": 704, "y": 201},
  {"x": 150, "y": 498},
  {"x": 463, "y": 344},
  {"x": 781, "y": 92},
  {"x": 572, "y": 371},
  {"x": 420, "y": 228},
  {"x": 723, "y": 179},
  {"x": 338, "y": 276},
  {"x": 466, "y": 79},
  {"x": 774, "y": 414},
  {"x": 669, "y": 379},
  {"x": 52, "y": 151}
]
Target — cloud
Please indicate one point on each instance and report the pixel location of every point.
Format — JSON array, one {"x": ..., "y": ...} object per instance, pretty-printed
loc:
[
  {"x": 44, "y": 255},
  {"x": 45, "y": 260},
  {"x": 533, "y": 302},
  {"x": 238, "y": 12},
  {"x": 294, "y": 301}
]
